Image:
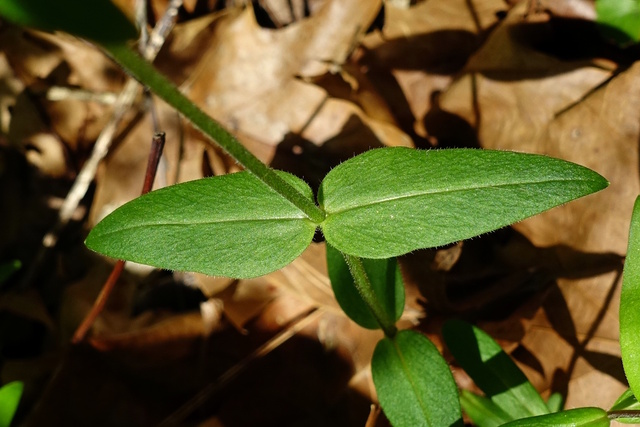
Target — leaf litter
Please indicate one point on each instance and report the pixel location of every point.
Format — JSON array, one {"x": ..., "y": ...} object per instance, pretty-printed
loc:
[{"x": 306, "y": 91}]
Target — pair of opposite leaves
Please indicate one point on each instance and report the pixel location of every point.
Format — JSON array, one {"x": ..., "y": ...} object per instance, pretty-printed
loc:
[{"x": 380, "y": 204}]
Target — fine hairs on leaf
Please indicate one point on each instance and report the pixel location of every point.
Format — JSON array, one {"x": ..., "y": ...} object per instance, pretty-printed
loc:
[{"x": 390, "y": 201}]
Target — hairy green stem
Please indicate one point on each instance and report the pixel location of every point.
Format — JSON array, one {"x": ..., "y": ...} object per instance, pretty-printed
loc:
[
  {"x": 363, "y": 284},
  {"x": 162, "y": 87}
]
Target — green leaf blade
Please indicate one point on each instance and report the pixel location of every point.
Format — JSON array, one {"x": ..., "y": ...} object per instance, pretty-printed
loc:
[
  {"x": 414, "y": 384},
  {"x": 10, "y": 395},
  {"x": 630, "y": 305},
  {"x": 391, "y": 201},
  {"x": 97, "y": 20},
  {"x": 492, "y": 370},
  {"x": 619, "y": 20},
  {"x": 386, "y": 281},
  {"x": 626, "y": 401},
  {"x": 555, "y": 402},
  {"x": 231, "y": 225},
  {"x": 580, "y": 417},
  {"x": 482, "y": 411}
]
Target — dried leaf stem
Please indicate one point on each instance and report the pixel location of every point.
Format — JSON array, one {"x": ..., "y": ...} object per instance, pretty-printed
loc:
[
  {"x": 100, "y": 149},
  {"x": 157, "y": 145}
]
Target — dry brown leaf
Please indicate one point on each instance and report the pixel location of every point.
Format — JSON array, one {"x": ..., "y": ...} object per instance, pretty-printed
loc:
[
  {"x": 248, "y": 78},
  {"x": 522, "y": 99},
  {"x": 420, "y": 49}
]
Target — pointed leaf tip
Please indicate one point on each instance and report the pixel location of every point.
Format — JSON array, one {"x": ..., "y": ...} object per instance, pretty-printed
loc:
[{"x": 391, "y": 201}]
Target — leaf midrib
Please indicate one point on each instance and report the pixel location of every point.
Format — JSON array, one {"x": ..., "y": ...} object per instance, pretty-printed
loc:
[
  {"x": 165, "y": 224},
  {"x": 436, "y": 192},
  {"x": 416, "y": 390}
]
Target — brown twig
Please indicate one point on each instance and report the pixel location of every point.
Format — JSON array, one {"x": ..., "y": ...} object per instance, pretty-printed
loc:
[
  {"x": 157, "y": 145},
  {"x": 123, "y": 103}
]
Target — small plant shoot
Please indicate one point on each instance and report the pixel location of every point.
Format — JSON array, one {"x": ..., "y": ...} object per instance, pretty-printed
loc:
[
  {"x": 424, "y": 199},
  {"x": 381, "y": 204}
]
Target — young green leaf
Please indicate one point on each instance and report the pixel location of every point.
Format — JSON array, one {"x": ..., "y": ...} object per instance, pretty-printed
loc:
[
  {"x": 482, "y": 411},
  {"x": 231, "y": 225},
  {"x": 414, "y": 384},
  {"x": 580, "y": 417},
  {"x": 97, "y": 20},
  {"x": 626, "y": 409},
  {"x": 630, "y": 305},
  {"x": 492, "y": 370},
  {"x": 386, "y": 281},
  {"x": 619, "y": 20},
  {"x": 555, "y": 402},
  {"x": 390, "y": 201},
  {"x": 626, "y": 401},
  {"x": 9, "y": 400}
]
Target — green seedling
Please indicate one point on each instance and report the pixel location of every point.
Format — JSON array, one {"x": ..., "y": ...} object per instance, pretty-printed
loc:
[{"x": 372, "y": 208}]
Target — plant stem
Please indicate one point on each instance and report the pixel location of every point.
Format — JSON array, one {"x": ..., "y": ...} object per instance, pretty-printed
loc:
[
  {"x": 162, "y": 87},
  {"x": 614, "y": 415},
  {"x": 363, "y": 284}
]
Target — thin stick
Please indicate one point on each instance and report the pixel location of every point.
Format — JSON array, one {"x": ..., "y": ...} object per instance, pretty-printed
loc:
[
  {"x": 157, "y": 145},
  {"x": 101, "y": 147}
]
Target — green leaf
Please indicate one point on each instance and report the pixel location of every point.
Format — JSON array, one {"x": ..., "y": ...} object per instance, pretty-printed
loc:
[
  {"x": 386, "y": 280},
  {"x": 9, "y": 399},
  {"x": 626, "y": 401},
  {"x": 7, "y": 269},
  {"x": 231, "y": 225},
  {"x": 414, "y": 384},
  {"x": 492, "y": 370},
  {"x": 555, "y": 402},
  {"x": 482, "y": 411},
  {"x": 630, "y": 305},
  {"x": 390, "y": 201},
  {"x": 581, "y": 417},
  {"x": 619, "y": 20},
  {"x": 626, "y": 409},
  {"x": 97, "y": 20}
]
